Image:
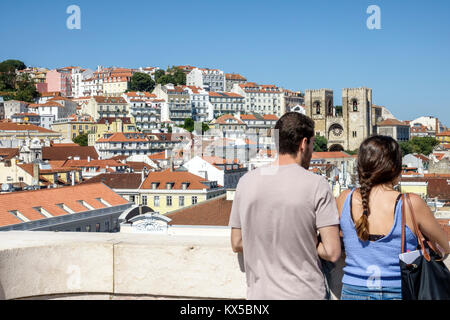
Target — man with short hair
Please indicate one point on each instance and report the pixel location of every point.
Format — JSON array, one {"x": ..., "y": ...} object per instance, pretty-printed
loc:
[{"x": 276, "y": 213}]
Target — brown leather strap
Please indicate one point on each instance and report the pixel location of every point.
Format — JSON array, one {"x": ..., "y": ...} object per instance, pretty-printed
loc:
[
  {"x": 403, "y": 224},
  {"x": 420, "y": 237}
]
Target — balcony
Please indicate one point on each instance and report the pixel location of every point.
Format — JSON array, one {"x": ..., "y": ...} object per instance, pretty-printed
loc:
[
  {"x": 83, "y": 265},
  {"x": 73, "y": 265}
]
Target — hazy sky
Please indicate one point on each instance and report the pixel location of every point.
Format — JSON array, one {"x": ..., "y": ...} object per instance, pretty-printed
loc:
[{"x": 294, "y": 44}]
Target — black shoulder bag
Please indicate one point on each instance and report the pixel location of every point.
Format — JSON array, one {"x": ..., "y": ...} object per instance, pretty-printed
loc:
[{"x": 427, "y": 277}]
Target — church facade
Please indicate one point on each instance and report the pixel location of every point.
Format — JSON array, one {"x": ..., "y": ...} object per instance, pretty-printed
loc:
[{"x": 344, "y": 128}]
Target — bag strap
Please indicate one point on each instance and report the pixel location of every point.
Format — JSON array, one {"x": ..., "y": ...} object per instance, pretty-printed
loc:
[
  {"x": 420, "y": 237},
  {"x": 403, "y": 225}
]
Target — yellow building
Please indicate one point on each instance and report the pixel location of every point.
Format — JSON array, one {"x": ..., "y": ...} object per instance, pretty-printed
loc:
[
  {"x": 73, "y": 127},
  {"x": 166, "y": 191},
  {"x": 11, "y": 131},
  {"x": 12, "y": 172},
  {"x": 416, "y": 185},
  {"x": 443, "y": 137},
  {"x": 110, "y": 125}
]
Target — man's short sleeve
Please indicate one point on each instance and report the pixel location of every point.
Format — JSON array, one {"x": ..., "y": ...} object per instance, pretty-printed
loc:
[
  {"x": 325, "y": 206},
  {"x": 235, "y": 219}
]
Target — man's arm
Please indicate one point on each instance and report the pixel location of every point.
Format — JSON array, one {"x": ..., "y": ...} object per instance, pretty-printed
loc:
[
  {"x": 330, "y": 246},
  {"x": 236, "y": 240}
]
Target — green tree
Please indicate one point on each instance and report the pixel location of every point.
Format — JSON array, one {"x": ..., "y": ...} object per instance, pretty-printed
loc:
[
  {"x": 81, "y": 139},
  {"x": 158, "y": 74},
  {"x": 320, "y": 144},
  {"x": 11, "y": 65},
  {"x": 188, "y": 124},
  {"x": 205, "y": 127},
  {"x": 141, "y": 82},
  {"x": 179, "y": 77},
  {"x": 423, "y": 145},
  {"x": 8, "y": 70}
]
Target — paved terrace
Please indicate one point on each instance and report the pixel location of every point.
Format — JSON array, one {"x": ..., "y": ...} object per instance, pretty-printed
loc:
[{"x": 72, "y": 265}]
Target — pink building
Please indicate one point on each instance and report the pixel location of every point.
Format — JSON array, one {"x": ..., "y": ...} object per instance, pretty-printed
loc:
[
  {"x": 60, "y": 80},
  {"x": 42, "y": 87}
]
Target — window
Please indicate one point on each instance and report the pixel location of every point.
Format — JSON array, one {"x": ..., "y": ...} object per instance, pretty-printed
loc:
[
  {"x": 354, "y": 134},
  {"x": 88, "y": 228},
  {"x": 106, "y": 226},
  {"x": 144, "y": 200},
  {"x": 97, "y": 227},
  {"x": 132, "y": 198},
  {"x": 85, "y": 204},
  {"x": 78, "y": 229},
  {"x": 355, "y": 105},
  {"x": 169, "y": 201},
  {"x": 194, "y": 199},
  {"x": 103, "y": 202},
  {"x": 65, "y": 208},
  {"x": 181, "y": 201},
  {"x": 156, "y": 201}
]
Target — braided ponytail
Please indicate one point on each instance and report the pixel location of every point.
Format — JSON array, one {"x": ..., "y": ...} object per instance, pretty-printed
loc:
[
  {"x": 379, "y": 162},
  {"x": 362, "y": 225}
]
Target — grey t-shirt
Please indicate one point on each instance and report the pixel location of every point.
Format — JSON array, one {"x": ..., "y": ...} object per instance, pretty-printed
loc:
[{"x": 279, "y": 210}]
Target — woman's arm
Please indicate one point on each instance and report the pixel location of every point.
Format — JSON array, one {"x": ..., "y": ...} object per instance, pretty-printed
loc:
[{"x": 428, "y": 224}]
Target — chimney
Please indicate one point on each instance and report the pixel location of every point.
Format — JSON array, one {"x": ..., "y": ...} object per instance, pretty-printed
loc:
[
  {"x": 88, "y": 159},
  {"x": 437, "y": 126},
  {"x": 142, "y": 176}
]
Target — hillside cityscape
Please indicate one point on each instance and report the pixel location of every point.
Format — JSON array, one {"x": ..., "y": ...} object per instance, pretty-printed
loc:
[{"x": 152, "y": 150}]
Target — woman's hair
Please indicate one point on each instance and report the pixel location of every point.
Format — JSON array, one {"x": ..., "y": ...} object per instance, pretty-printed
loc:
[{"x": 379, "y": 162}]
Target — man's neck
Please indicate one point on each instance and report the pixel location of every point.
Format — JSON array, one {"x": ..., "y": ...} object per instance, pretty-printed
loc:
[{"x": 286, "y": 159}]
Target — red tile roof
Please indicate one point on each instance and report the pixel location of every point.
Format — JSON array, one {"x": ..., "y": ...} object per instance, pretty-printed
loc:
[
  {"x": 120, "y": 137},
  {"x": 117, "y": 180},
  {"x": 443, "y": 134},
  {"x": 158, "y": 156},
  {"x": 213, "y": 212},
  {"x": 176, "y": 177},
  {"x": 111, "y": 100},
  {"x": 49, "y": 198},
  {"x": 8, "y": 153},
  {"x": 11, "y": 126},
  {"x": 391, "y": 122},
  {"x": 222, "y": 119},
  {"x": 234, "y": 76},
  {"x": 103, "y": 163},
  {"x": 56, "y": 152}
]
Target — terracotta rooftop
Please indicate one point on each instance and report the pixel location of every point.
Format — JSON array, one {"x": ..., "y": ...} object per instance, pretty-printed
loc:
[
  {"x": 442, "y": 134},
  {"x": 391, "y": 122},
  {"x": 112, "y": 100},
  {"x": 234, "y": 76},
  {"x": 213, "y": 212},
  {"x": 224, "y": 94},
  {"x": 102, "y": 163},
  {"x": 8, "y": 153},
  {"x": 224, "y": 118},
  {"x": 48, "y": 199},
  {"x": 11, "y": 126},
  {"x": 121, "y": 137},
  {"x": 176, "y": 177},
  {"x": 64, "y": 152},
  {"x": 117, "y": 180}
]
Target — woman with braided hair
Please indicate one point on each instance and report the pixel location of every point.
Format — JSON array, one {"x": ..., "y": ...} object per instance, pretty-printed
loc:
[{"x": 370, "y": 220}]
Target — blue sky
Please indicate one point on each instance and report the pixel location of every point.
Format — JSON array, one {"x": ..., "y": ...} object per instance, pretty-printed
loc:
[{"x": 294, "y": 44}]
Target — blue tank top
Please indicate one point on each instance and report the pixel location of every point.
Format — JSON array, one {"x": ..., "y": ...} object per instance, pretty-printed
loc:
[{"x": 373, "y": 263}]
